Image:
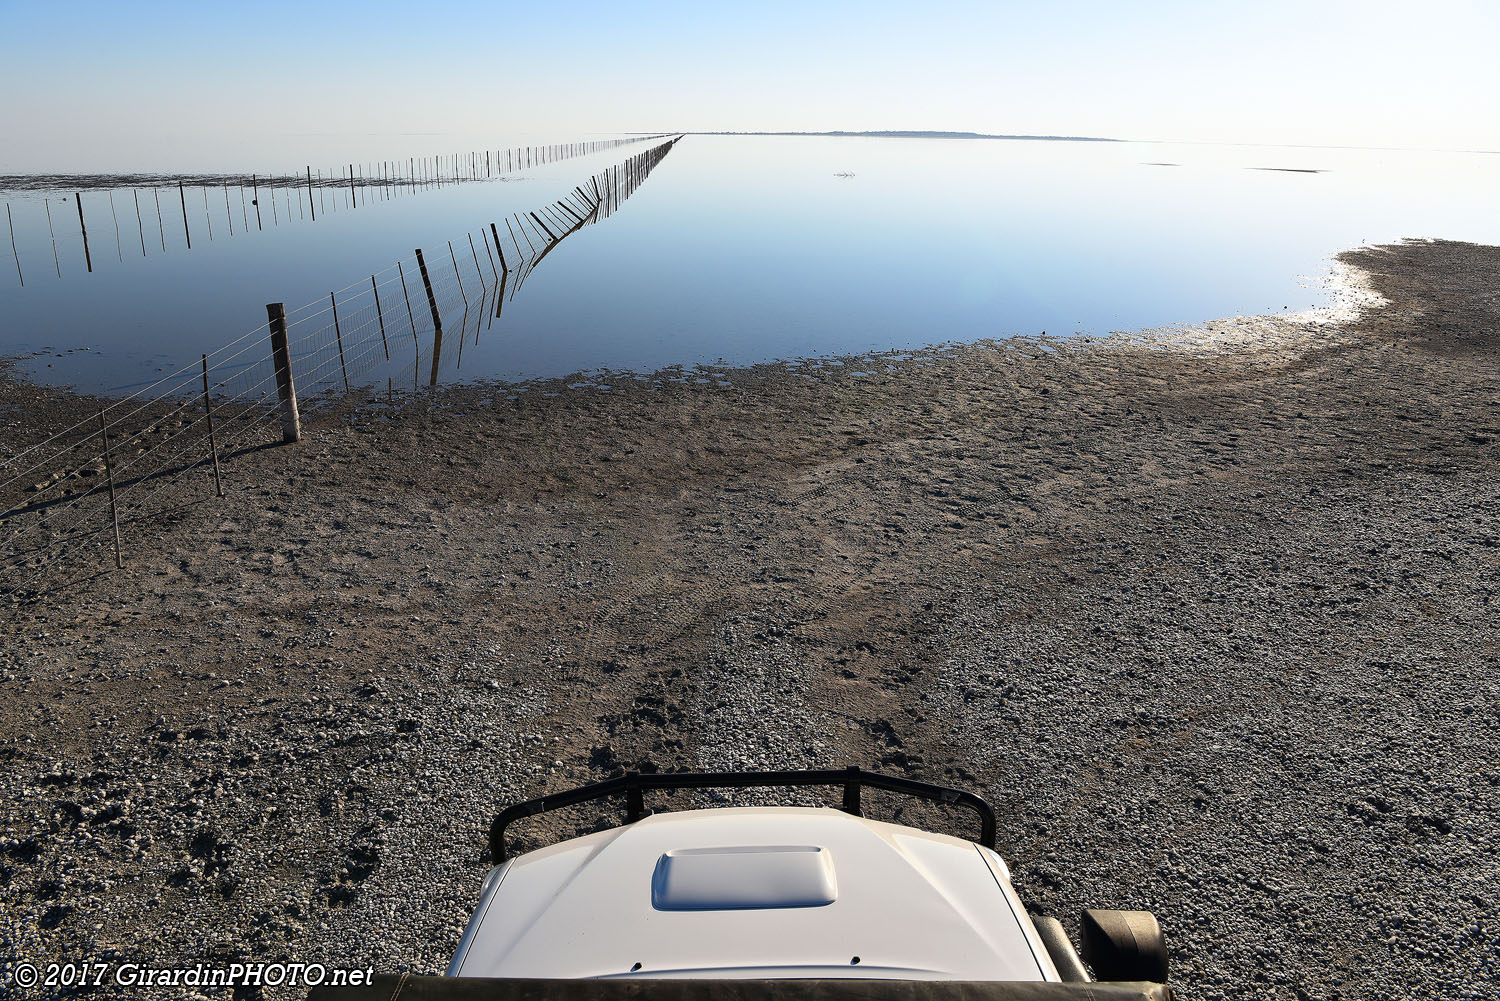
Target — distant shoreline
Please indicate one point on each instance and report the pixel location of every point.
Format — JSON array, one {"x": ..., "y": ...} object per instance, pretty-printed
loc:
[{"x": 922, "y": 135}]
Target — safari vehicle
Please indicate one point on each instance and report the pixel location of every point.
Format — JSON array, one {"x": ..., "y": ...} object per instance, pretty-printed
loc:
[{"x": 773, "y": 902}]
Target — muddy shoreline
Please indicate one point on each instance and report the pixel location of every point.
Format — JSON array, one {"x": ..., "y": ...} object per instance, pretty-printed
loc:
[{"x": 1209, "y": 619}]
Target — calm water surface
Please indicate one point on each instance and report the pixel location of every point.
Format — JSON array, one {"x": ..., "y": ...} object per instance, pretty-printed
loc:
[{"x": 750, "y": 249}]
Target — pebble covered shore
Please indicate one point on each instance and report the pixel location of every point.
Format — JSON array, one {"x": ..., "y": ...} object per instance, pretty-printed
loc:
[{"x": 1210, "y": 619}]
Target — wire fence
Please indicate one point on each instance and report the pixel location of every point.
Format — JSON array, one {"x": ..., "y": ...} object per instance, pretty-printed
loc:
[
  {"x": 207, "y": 207},
  {"x": 68, "y": 502}
]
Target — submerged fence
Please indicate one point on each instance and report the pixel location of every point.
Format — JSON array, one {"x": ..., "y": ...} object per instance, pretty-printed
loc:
[
  {"x": 72, "y": 500},
  {"x": 192, "y": 207}
]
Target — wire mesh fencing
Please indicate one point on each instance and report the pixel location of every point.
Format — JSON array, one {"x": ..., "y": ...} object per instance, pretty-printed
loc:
[
  {"x": 71, "y": 500},
  {"x": 180, "y": 209}
]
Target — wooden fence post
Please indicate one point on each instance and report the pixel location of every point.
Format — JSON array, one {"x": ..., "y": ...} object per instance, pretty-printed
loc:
[
  {"x": 381, "y": 317},
  {"x": 437, "y": 318},
  {"x": 213, "y": 443},
  {"x": 182, "y": 196},
  {"x": 432, "y": 306},
  {"x": 87, "y": 257},
  {"x": 291, "y": 422},
  {"x": 496, "y": 234},
  {"x": 543, "y": 225},
  {"x": 339, "y": 335}
]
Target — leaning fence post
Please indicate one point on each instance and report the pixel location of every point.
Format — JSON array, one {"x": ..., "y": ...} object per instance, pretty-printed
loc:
[
  {"x": 182, "y": 197},
  {"x": 87, "y": 257},
  {"x": 381, "y": 317},
  {"x": 437, "y": 318},
  {"x": 109, "y": 473},
  {"x": 543, "y": 225},
  {"x": 291, "y": 422},
  {"x": 213, "y": 443},
  {"x": 496, "y": 234},
  {"x": 339, "y": 334}
]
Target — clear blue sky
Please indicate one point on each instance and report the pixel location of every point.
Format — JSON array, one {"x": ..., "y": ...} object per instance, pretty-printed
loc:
[{"x": 90, "y": 85}]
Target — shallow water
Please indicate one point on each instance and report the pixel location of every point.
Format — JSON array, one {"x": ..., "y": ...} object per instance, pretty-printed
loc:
[{"x": 747, "y": 249}]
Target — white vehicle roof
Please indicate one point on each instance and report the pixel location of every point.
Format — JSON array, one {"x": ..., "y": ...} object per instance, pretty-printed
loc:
[{"x": 754, "y": 893}]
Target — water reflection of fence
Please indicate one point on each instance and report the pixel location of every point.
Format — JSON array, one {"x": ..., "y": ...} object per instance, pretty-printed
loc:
[
  {"x": 67, "y": 497},
  {"x": 264, "y": 202}
]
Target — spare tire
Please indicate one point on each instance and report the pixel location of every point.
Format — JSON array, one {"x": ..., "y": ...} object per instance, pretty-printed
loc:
[{"x": 1124, "y": 945}]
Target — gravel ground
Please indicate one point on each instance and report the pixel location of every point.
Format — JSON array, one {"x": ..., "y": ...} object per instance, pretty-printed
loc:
[{"x": 1208, "y": 615}]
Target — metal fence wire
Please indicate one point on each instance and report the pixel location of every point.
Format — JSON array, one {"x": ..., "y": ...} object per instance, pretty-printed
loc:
[
  {"x": 71, "y": 500},
  {"x": 198, "y": 206}
]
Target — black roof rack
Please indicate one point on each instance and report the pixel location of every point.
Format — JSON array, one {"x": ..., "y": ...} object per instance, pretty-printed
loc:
[{"x": 633, "y": 784}]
